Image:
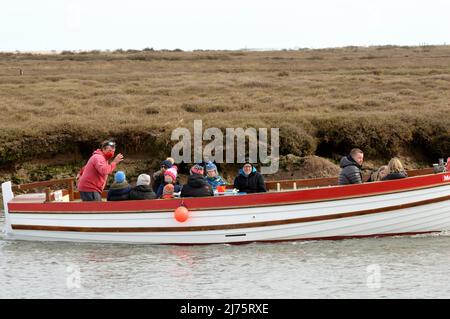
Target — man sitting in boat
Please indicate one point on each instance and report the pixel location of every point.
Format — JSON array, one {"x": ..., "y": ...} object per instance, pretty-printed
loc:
[
  {"x": 93, "y": 176},
  {"x": 196, "y": 185},
  {"x": 395, "y": 170},
  {"x": 212, "y": 176},
  {"x": 249, "y": 180},
  {"x": 120, "y": 189},
  {"x": 351, "y": 168},
  {"x": 142, "y": 190}
]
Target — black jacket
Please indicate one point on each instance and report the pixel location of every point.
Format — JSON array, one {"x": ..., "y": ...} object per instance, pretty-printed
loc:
[
  {"x": 119, "y": 191},
  {"x": 350, "y": 171},
  {"x": 196, "y": 186},
  {"x": 253, "y": 183},
  {"x": 392, "y": 176},
  {"x": 142, "y": 192}
]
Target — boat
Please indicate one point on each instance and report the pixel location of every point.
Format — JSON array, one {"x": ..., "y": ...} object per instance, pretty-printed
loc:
[{"x": 310, "y": 209}]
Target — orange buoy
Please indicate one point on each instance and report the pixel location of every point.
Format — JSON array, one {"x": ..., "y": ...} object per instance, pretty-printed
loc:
[{"x": 181, "y": 214}]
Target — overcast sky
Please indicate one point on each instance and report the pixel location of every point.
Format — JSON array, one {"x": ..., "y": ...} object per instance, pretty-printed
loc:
[{"x": 219, "y": 24}]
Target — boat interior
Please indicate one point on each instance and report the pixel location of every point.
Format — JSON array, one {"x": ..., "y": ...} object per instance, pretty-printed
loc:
[{"x": 64, "y": 190}]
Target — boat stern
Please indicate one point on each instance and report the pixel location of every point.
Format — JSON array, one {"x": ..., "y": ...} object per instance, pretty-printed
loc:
[{"x": 8, "y": 195}]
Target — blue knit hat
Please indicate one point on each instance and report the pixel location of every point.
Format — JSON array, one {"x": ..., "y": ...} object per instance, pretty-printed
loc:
[
  {"x": 119, "y": 177},
  {"x": 210, "y": 166},
  {"x": 166, "y": 163}
]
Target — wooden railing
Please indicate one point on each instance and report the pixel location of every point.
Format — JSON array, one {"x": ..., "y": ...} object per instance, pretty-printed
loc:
[
  {"x": 69, "y": 182},
  {"x": 326, "y": 181}
]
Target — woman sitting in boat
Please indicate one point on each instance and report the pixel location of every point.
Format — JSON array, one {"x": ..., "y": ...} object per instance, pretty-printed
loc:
[
  {"x": 196, "y": 185},
  {"x": 170, "y": 177},
  {"x": 142, "y": 190},
  {"x": 379, "y": 174},
  {"x": 395, "y": 170},
  {"x": 93, "y": 176},
  {"x": 120, "y": 189},
  {"x": 249, "y": 180},
  {"x": 212, "y": 176}
]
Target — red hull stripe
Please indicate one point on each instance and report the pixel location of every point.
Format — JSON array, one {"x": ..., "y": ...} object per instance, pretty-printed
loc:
[
  {"x": 226, "y": 202},
  {"x": 229, "y": 226}
]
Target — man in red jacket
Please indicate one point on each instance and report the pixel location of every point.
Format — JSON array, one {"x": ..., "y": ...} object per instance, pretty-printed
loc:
[{"x": 94, "y": 174}]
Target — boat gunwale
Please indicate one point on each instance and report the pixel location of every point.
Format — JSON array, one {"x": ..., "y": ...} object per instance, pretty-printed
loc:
[{"x": 171, "y": 204}]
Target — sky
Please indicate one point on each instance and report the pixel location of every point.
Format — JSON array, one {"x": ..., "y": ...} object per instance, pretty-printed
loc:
[{"x": 46, "y": 25}]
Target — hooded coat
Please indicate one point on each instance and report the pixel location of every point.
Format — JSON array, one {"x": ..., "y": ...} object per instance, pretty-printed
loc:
[
  {"x": 253, "y": 183},
  {"x": 350, "y": 171},
  {"x": 119, "y": 191},
  {"x": 95, "y": 173}
]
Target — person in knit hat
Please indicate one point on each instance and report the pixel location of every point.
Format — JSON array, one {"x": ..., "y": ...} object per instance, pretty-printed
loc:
[
  {"x": 170, "y": 177},
  {"x": 119, "y": 190},
  {"x": 158, "y": 177},
  {"x": 168, "y": 191},
  {"x": 212, "y": 176},
  {"x": 196, "y": 185},
  {"x": 197, "y": 169},
  {"x": 142, "y": 190}
]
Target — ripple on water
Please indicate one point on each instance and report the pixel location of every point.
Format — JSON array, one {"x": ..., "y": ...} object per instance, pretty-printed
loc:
[{"x": 406, "y": 267}]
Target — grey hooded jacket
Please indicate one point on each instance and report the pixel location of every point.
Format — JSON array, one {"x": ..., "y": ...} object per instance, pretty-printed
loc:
[{"x": 350, "y": 172}]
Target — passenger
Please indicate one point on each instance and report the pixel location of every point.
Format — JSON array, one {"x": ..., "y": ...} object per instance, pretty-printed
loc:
[
  {"x": 170, "y": 177},
  {"x": 351, "y": 168},
  {"x": 249, "y": 180},
  {"x": 212, "y": 176},
  {"x": 168, "y": 191},
  {"x": 196, "y": 185},
  {"x": 93, "y": 176},
  {"x": 158, "y": 177},
  {"x": 447, "y": 168},
  {"x": 142, "y": 190},
  {"x": 120, "y": 189},
  {"x": 395, "y": 170},
  {"x": 379, "y": 174}
]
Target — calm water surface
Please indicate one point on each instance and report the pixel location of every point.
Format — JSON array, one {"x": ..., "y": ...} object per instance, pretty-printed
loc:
[{"x": 400, "y": 267}]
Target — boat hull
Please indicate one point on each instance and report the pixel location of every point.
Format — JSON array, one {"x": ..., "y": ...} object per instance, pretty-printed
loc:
[{"x": 407, "y": 211}]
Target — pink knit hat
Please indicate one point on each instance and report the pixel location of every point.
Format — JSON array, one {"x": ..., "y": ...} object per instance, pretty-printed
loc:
[
  {"x": 197, "y": 169},
  {"x": 172, "y": 172}
]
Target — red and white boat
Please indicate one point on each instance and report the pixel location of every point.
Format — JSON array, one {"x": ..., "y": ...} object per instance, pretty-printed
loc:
[{"x": 414, "y": 205}]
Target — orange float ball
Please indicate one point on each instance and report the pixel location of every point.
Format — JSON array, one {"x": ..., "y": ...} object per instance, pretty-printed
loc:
[{"x": 181, "y": 214}]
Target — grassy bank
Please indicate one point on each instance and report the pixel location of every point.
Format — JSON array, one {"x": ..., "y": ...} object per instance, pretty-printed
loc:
[{"x": 389, "y": 101}]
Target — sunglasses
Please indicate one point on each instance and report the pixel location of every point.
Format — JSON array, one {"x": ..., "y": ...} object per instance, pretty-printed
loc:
[{"x": 112, "y": 144}]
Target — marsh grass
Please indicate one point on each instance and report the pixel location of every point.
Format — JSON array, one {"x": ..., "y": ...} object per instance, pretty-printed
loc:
[{"x": 386, "y": 100}]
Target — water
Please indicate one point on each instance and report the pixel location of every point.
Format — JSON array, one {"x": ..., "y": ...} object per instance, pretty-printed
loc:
[{"x": 400, "y": 267}]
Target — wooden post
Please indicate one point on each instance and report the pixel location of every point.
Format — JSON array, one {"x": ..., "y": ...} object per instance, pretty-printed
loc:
[
  {"x": 71, "y": 188},
  {"x": 295, "y": 186},
  {"x": 278, "y": 187},
  {"x": 48, "y": 195}
]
